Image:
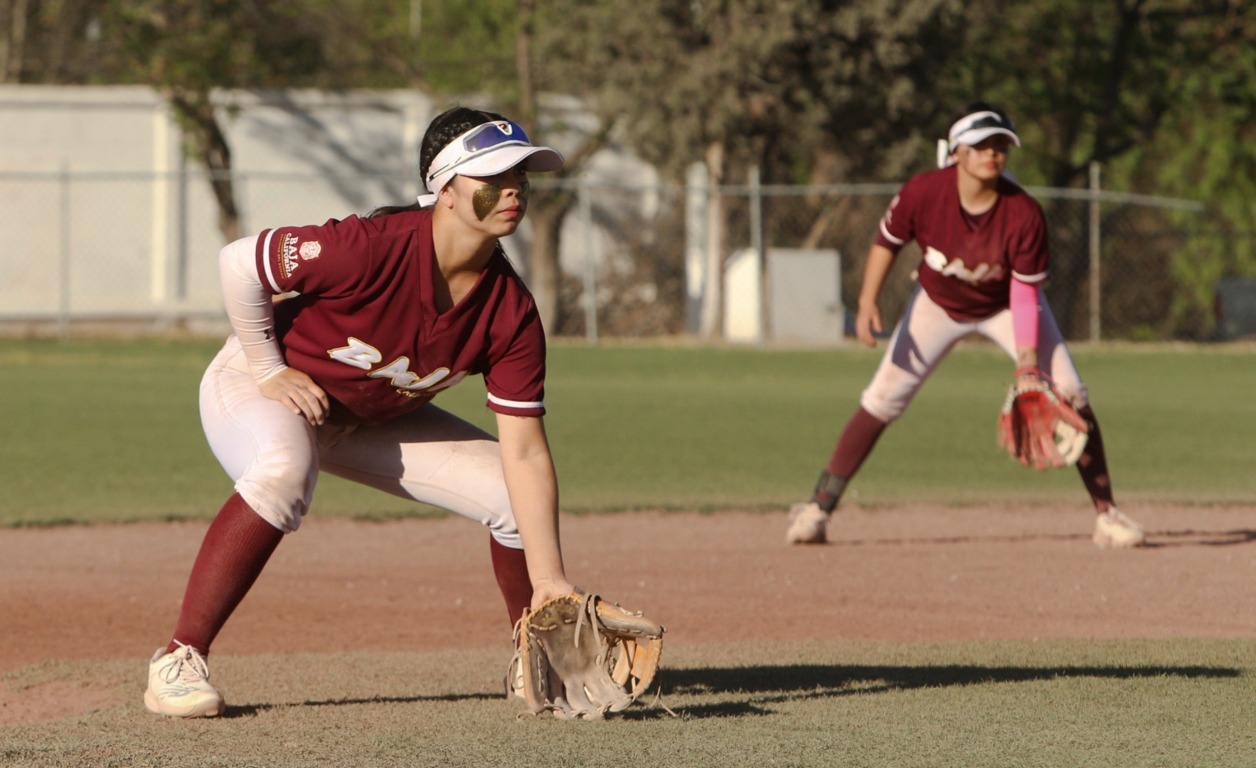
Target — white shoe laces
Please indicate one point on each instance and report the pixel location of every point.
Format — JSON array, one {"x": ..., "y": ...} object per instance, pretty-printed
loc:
[{"x": 186, "y": 664}]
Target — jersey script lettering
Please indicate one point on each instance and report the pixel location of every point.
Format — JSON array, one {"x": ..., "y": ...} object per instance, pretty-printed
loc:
[
  {"x": 955, "y": 268},
  {"x": 359, "y": 354}
]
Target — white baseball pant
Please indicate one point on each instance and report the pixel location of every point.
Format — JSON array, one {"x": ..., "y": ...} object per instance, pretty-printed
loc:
[
  {"x": 274, "y": 456},
  {"x": 926, "y": 334}
]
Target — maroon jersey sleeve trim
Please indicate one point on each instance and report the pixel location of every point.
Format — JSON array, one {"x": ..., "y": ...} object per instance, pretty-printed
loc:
[
  {"x": 514, "y": 403},
  {"x": 888, "y": 240},
  {"x": 516, "y": 407},
  {"x": 1030, "y": 279}
]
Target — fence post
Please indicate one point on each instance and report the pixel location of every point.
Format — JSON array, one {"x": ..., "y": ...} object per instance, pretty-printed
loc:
[
  {"x": 63, "y": 310},
  {"x": 1095, "y": 230},
  {"x": 756, "y": 245},
  {"x": 590, "y": 276},
  {"x": 183, "y": 244},
  {"x": 696, "y": 200},
  {"x": 161, "y": 271}
]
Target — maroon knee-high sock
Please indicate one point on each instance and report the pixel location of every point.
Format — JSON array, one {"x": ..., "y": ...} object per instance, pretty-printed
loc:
[
  {"x": 858, "y": 439},
  {"x": 856, "y": 443},
  {"x": 233, "y": 553},
  {"x": 1093, "y": 465},
  {"x": 511, "y": 569}
]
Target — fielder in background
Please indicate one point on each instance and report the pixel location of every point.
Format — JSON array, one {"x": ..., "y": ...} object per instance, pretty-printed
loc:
[
  {"x": 985, "y": 247},
  {"x": 388, "y": 311}
]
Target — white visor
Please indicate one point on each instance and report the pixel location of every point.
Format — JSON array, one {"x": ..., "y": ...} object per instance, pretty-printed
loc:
[
  {"x": 973, "y": 129},
  {"x": 487, "y": 150}
]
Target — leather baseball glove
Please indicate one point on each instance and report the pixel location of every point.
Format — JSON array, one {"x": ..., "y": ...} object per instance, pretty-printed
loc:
[
  {"x": 1036, "y": 427},
  {"x": 579, "y": 656}
]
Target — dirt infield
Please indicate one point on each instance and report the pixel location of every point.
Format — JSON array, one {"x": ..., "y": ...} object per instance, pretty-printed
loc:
[{"x": 904, "y": 574}]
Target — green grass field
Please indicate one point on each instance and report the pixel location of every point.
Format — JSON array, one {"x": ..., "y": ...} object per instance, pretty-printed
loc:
[
  {"x": 979, "y": 705},
  {"x": 108, "y": 430}
]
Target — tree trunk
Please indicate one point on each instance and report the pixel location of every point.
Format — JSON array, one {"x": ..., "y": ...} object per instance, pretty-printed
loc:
[
  {"x": 523, "y": 62},
  {"x": 195, "y": 112},
  {"x": 13, "y": 45},
  {"x": 544, "y": 272},
  {"x": 544, "y": 212},
  {"x": 712, "y": 299}
]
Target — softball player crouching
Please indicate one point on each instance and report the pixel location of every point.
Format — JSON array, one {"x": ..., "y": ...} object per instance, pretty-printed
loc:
[
  {"x": 389, "y": 310},
  {"x": 985, "y": 249}
]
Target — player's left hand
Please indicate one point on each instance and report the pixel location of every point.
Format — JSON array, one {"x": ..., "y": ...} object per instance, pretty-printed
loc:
[
  {"x": 868, "y": 324},
  {"x": 298, "y": 392},
  {"x": 1036, "y": 427}
]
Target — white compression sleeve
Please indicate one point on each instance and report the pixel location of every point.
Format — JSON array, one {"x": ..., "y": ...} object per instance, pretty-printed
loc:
[{"x": 250, "y": 309}]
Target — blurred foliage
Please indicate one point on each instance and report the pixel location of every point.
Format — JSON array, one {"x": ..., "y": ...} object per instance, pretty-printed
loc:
[
  {"x": 809, "y": 90},
  {"x": 1157, "y": 93},
  {"x": 790, "y": 86},
  {"x": 1150, "y": 91},
  {"x": 468, "y": 46}
]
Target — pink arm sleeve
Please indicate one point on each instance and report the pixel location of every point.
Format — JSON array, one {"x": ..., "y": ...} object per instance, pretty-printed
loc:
[
  {"x": 249, "y": 308},
  {"x": 1024, "y": 305}
]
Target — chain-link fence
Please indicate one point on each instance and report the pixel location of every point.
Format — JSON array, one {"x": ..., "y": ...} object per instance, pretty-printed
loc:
[
  {"x": 89, "y": 250},
  {"x": 1124, "y": 267}
]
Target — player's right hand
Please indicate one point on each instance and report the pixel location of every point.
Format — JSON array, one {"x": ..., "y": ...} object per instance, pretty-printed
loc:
[
  {"x": 546, "y": 589},
  {"x": 868, "y": 324},
  {"x": 299, "y": 394}
]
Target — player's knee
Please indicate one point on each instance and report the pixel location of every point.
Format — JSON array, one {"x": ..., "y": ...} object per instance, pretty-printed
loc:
[
  {"x": 283, "y": 513},
  {"x": 884, "y": 409},
  {"x": 510, "y": 538},
  {"x": 280, "y": 493},
  {"x": 501, "y": 523}
]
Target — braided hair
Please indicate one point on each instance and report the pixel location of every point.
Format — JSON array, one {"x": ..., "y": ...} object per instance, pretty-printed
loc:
[{"x": 443, "y": 129}]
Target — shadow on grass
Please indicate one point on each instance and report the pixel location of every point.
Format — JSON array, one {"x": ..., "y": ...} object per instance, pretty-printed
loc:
[
  {"x": 757, "y": 688},
  {"x": 249, "y": 710}
]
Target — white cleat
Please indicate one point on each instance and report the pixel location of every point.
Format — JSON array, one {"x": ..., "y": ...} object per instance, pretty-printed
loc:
[
  {"x": 178, "y": 685},
  {"x": 807, "y": 524},
  {"x": 1113, "y": 530}
]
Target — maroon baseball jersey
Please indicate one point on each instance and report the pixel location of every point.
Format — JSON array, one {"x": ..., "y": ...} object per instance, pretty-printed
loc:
[
  {"x": 364, "y": 324},
  {"x": 968, "y": 260}
]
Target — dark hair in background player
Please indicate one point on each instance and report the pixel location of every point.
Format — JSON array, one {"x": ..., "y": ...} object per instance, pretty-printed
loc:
[
  {"x": 387, "y": 311},
  {"x": 985, "y": 258}
]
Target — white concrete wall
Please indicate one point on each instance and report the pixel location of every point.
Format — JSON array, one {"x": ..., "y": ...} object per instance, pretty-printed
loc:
[
  {"x": 103, "y": 215},
  {"x": 101, "y": 212}
]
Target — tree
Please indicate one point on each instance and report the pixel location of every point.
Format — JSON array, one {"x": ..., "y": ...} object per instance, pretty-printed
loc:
[
  {"x": 1204, "y": 153},
  {"x": 803, "y": 90},
  {"x": 48, "y": 42},
  {"x": 487, "y": 52},
  {"x": 681, "y": 81},
  {"x": 776, "y": 85},
  {"x": 468, "y": 47},
  {"x": 549, "y": 208},
  {"x": 1093, "y": 82},
  {"x": 188, "y": 49},
  {"x": 13, "y": 26}
]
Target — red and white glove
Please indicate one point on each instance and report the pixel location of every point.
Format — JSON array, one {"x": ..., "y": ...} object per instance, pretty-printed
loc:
[{"x": 1036, "y": 427}]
